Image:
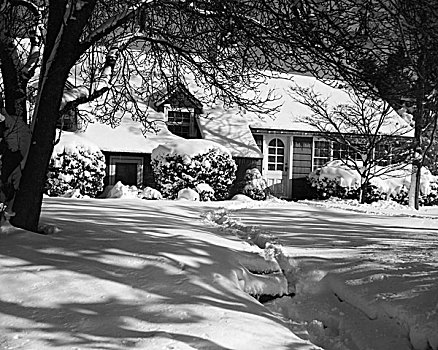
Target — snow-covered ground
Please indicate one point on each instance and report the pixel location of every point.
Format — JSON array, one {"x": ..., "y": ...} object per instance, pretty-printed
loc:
[{"x": 131, "y": 273}]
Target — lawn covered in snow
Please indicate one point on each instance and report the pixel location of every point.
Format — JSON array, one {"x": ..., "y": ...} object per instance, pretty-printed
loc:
[{"x": 137, "y": 274}]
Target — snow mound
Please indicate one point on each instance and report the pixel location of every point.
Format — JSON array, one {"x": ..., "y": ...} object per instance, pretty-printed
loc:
[
  {"x": 242, "y": 198},
  {"x": 74, "y": 193},
  {"x": 188, "y": 194},
  {"x": 120, "y": 190},
  {"x": 150, "y": 193}
]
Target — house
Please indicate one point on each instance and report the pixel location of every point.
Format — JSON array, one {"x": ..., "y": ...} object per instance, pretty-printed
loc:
[{"x": 284, "y": 148}]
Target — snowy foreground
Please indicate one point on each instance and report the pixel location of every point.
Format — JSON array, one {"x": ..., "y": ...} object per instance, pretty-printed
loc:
[{"x": 136, "y": 274}]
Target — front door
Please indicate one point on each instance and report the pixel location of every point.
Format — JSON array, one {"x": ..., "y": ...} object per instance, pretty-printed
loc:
[
  {"x": 276, "y": 165},
  {"x": 126, "y": 173},
  {"x": 302, "y": 166}
]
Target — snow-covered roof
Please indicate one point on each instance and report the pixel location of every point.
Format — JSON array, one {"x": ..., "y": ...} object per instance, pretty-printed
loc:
[
  {"x": 289, "y": 112},
  {"x": 229, "y": 127},
  {"x": 230, "y": 130},
  {"x": 128, "y": 137}
]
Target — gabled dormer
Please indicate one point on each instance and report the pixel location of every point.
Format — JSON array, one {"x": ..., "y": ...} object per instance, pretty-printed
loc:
[{"x": 181, "y": 111}]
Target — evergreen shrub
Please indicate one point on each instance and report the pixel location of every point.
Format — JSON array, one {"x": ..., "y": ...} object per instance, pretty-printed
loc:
[
  {"x": 77, "y": 168},
  {"x": 215, "y": 168}
]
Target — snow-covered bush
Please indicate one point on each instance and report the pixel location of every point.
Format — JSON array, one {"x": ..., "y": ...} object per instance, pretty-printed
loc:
[
  {"x": 206, "y": 193},
  {"x": 76, "y": 164},
  {"x": 189, "y": 163},
  {"x": 254, "y": 186},
  {"x": 431, "y": 198},
  {"x": 337, "y": 180}
]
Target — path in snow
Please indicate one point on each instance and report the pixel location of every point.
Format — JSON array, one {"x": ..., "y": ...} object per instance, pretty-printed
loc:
[{"x": 362, "y": 281}]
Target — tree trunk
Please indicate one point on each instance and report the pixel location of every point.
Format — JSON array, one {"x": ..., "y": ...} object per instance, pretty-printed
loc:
[
  {"x": 417, "y": 187},
  {"x": 27, "y": 204},
  {"x": 414, "y": 190}
]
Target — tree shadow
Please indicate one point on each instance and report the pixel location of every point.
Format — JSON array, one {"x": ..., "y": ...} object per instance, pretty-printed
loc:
[{"x": 121, "y": 254}]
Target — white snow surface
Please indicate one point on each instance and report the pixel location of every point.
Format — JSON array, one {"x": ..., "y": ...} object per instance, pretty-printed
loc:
[{"x": 136, "y": 274}]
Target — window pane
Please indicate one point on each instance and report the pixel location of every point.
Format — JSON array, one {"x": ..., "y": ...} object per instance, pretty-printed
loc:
[
  {"x": 273, "y": 143},
  {"x": 271, "y": 166},
  {"x": 271, "y": 159},
  {"x": 279, "y": 166}
]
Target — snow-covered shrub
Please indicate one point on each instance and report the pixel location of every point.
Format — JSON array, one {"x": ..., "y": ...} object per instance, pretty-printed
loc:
[
  {"x": 189, "y": 163},
  {"x": 188, "y": 194},
  {"x": 75, "y": 165},
  {"x": 337, "y": 180},
  {"x": 324, "y": 188},
  {"x": 206, "y": 193},
  {"x": 254, "y": 186},
  {"x": 431, "y": 198}
]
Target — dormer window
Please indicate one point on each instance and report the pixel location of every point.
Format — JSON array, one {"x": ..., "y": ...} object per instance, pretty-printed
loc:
[
  {"x": 182, "y": 122},
  {"x": 181, "y": 110}
]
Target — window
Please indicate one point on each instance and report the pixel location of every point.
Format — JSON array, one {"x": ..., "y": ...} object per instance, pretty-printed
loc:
[
  {"x": 182, "y": 122},
  {"x": 276, "y": 155},
  {"x": 322, "y": 153},
  {"x": 341, "y": 151},
  {"x": 178, "y": 123},
  {"x": 383, "y": 154}
]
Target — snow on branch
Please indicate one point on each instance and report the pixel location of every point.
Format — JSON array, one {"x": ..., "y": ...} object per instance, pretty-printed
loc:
[{"x": 78, "y": 95}]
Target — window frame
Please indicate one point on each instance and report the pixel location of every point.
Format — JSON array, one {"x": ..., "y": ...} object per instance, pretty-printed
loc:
[{"x": 277, "y": 165}]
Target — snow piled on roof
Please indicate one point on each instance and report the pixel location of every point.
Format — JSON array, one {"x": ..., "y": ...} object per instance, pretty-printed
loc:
[
  {"x": 231, "y": 130},
  {"x": 70, "y": 142},
  {"x": 128, "y": 137},
  {"x": 289, "y": 112}
]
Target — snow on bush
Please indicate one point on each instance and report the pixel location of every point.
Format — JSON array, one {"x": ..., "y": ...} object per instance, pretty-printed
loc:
[
  {"x": 335, "y": 179},
  {"x": 206, "y": 193},
  {"x": 76, "y": 164},
  {"x": 254, "y": 186},
  {"x": 193, "y": 163}
]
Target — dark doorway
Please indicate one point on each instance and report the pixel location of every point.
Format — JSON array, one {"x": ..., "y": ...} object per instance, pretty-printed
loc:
[{"x": 126, "y": 173}]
